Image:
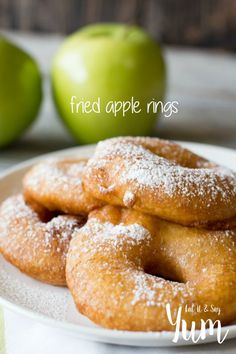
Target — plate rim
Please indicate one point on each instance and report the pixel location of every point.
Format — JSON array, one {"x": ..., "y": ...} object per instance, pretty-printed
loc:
[{"x": 99, "y": 332}]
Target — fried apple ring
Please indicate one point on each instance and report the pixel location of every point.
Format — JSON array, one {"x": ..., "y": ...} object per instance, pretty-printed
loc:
[
  {"x": 36, "y": 243},
  {"x": 117, "y": 264},
  {"x": 161, "y": 178},
  {"x": 56, "y": 184}
]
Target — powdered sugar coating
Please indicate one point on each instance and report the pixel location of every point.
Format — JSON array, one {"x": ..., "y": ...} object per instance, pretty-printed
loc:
[
  {"x": 149, "y": 289},
  {"x": 38, "y": 247},
  {"x": 129, "y": 199},
  {"x": 59, "y": 228},
  {"x": 57, "y": 171},
  {"x": 117, "y": 234},
  {"x": 111, "y": 237},
  {"x": 129, "y": 172},
  {"x": 124, "y": 267},
  {"x": 150, "y": 171},
  {"x": 56, "y": 184},
  {"x": 106, "y": 238}
]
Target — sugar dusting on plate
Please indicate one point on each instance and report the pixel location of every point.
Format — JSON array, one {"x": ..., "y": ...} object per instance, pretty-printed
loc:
[{"x": 31, "y": 294}]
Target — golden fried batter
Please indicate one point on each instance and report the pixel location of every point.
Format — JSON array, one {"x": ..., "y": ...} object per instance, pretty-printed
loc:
[
  {"x": 56, "y": 184},
  {"x": 163, "y": 179},
  {"x": 118, "y": 263},
  {"x": 36, "y": 243}
]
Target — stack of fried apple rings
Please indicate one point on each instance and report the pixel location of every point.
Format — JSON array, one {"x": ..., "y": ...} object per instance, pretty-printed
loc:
[{"x": 144, "y": 223}]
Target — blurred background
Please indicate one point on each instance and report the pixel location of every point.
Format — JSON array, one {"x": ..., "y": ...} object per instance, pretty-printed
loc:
[
  {"x": 206, "y": 23},
  {"x": 199, "y": 43}
]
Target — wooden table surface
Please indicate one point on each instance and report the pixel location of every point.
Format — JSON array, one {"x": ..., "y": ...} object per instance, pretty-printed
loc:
[{"x": 204, "y": 83}]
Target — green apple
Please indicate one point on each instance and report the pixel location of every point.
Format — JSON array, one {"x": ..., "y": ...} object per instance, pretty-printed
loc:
[
  {"x": 113, "y": 62},
  {"x": 20, "y": 91}
]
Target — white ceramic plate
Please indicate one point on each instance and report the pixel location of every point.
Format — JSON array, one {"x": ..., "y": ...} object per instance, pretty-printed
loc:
[{"x": 54, "y": 305}]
